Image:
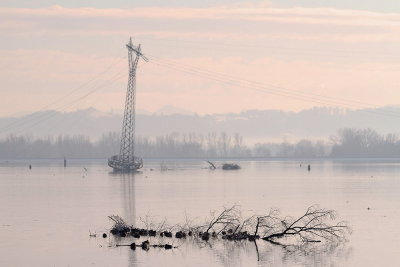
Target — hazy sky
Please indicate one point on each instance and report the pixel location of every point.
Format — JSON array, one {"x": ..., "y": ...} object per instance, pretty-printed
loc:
[
  {"x": 373, "y": 5},
  {"x": 206, "y": 56}
]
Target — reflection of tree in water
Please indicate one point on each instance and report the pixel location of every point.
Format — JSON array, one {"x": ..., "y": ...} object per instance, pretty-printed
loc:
[
  {"x": 227, "y": 253},
  {"x": 235, "y": 254},
  {"x": 260, "y": 253},
  {"x": 305, "y": 255}
]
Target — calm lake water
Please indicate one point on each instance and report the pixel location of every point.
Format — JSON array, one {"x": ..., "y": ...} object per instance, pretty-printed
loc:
[{"x": 46, "y": 213}]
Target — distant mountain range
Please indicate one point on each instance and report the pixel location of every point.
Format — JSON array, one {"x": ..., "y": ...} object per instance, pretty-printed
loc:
[{"x": 253, "y": 125}]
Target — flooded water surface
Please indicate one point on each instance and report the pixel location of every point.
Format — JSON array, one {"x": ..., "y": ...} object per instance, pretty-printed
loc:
[{"x": 48, "y": 212}]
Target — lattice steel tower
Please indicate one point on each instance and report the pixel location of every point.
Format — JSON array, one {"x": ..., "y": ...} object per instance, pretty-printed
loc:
[{"x": 126, "y": 160}]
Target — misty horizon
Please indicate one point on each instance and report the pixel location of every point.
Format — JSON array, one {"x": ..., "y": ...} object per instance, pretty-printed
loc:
[
  {"x": 254, "y": 125},
  {"x": 170, "y": 109},
  {"x": 347, "y": 143}
]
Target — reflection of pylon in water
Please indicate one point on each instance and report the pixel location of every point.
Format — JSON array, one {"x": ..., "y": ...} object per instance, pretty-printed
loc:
[{"x": 126, "y": 161}]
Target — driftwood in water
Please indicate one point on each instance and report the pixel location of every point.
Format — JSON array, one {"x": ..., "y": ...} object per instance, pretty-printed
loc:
[
  {"x": 119, "y": 223},
  {"x": 315, "y": 225},
  {"x": 225, "y": 166},
  {"x": 212, "y": 165},
  {"x": 230, "y": 166}
]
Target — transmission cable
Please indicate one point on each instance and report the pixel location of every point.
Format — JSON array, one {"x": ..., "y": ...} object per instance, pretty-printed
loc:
[
  {"x": 67, "y": 105},
  {"x": 271, "y": 89},
  {"x": 60, "y": 99}
]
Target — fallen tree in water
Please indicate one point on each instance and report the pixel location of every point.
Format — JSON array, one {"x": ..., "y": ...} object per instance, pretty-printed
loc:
[{"x": 315, "y": 225}]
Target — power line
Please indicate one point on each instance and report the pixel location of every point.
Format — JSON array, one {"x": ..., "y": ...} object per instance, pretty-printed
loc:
[
  {"x": 271, "y": 89},
  {"x": 200, "y": 44},
  {"x": 36, "y": 120},
  {"x": 38, "y": 113},
  {"x": 46, "y": 116}
]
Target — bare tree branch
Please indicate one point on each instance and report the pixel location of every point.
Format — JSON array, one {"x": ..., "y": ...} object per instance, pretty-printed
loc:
[{"x": 312, "y": 226}]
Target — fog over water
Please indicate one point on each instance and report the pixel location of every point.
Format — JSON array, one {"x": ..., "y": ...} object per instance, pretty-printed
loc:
[{"x": 47, "y": 211}]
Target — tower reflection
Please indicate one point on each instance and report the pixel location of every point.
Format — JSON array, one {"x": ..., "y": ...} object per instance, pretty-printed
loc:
[
  {"x": 129, "y": 205},
  {"x": 128, "y": 197}
]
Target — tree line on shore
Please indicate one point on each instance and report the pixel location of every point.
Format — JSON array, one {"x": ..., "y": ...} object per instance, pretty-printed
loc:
[{"x": 347, "y": 143}]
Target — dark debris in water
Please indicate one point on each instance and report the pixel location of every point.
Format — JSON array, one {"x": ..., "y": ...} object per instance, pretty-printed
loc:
[
  {"x": 145, "y": 245},
  {"x": 314, "y": 226}
]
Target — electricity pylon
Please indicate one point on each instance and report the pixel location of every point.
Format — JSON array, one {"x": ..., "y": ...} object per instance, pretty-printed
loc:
[{"x": 126, "y": 160}]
